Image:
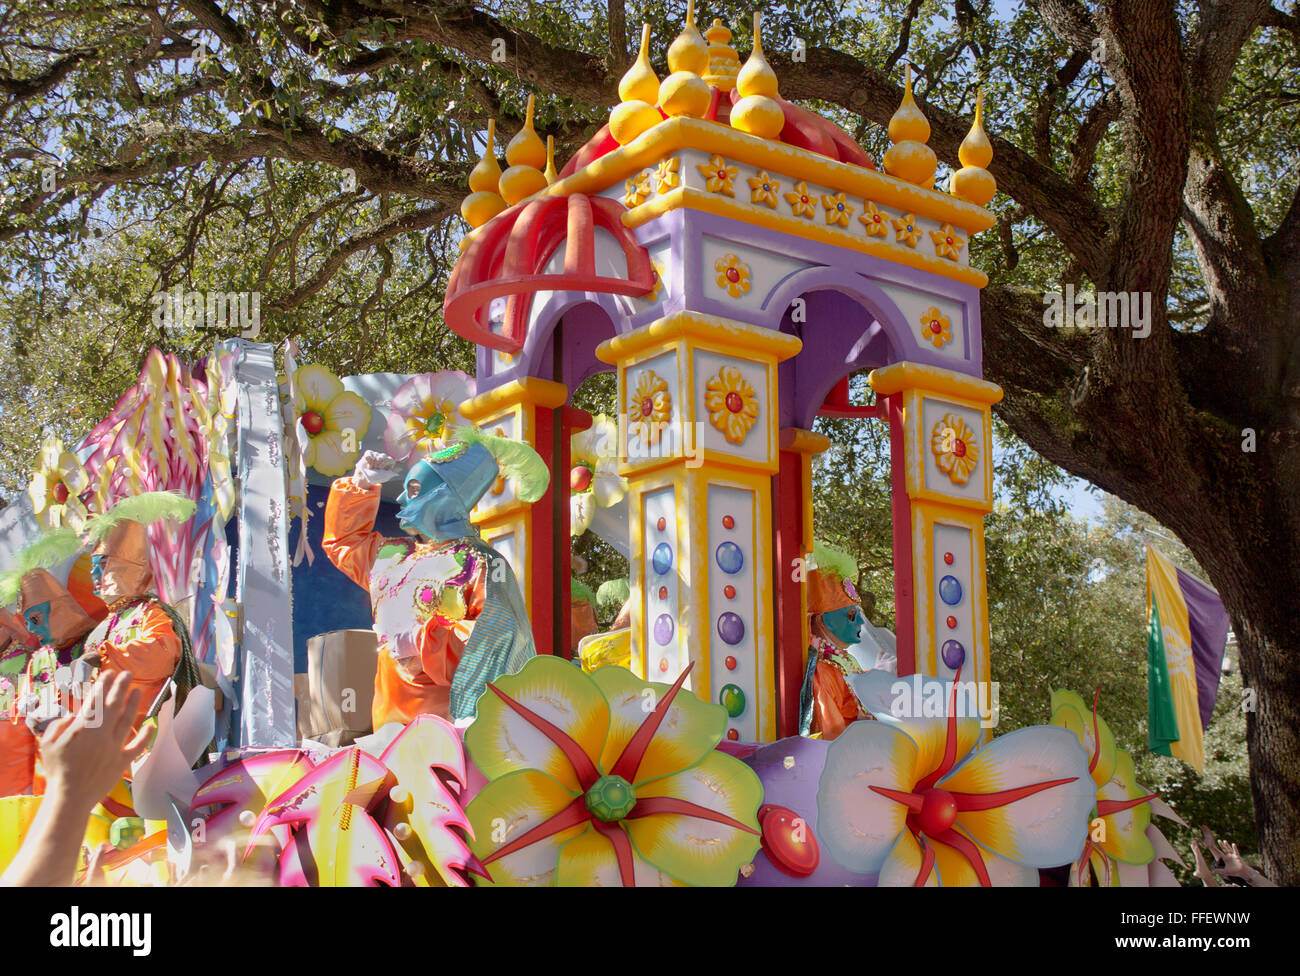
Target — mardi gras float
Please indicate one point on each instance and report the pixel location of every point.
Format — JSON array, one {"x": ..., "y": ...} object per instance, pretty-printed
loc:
[{"x": 350, "y": 599}]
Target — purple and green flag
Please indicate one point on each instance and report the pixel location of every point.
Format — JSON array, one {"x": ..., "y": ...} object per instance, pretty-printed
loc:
[{"x": 1187, "y": 629}]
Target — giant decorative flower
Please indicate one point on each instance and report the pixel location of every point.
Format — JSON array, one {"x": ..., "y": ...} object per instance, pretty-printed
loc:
[
  {"x": 946, "y": 242},
  {"x": 335, "y": 420},
  {"x": 718, "y": 176},
  {"x": 874, "y": 219},
  {"x": 935, "y": 327},
  {"x": 650, "y": 407},
  {"x": 1120, "y": 830},
  {"x": 593, "y": 476},
  {"x": 732, "y": 404},
  {"x": 838, "y": 209},
  {"x": 56, "y": 483},
  {"x": 803, "y": 203},
  {"x": 605, "y": 779},
  {"x": 733, "y": 275},
  {"x": 906, "y": 230},
  {"x": 423, "y": 409},
  {"x": 763, "y": 189},
  {"x": 916, "y": 800},
  {"x": 954, "y": 447}
]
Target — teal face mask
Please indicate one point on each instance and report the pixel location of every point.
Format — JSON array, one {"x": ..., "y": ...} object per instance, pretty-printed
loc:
[
  {"x": 37, "y": 619},
  {"x": 434, "y": 511},
  {"x": 845, "y": 624}
]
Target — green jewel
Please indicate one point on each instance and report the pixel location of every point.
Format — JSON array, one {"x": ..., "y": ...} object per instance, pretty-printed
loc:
[
  {"x": 448, "y": 453},
  {"x": 610, "y": 799}
]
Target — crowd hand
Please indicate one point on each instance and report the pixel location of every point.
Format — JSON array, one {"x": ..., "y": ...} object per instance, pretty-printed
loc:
[
  {"x": 84, "y": 755},
  {"x": 1202, "y": 869},
  {"x": 374, "y": 468}
]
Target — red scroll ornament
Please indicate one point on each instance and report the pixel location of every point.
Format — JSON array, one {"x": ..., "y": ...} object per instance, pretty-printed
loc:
[{"x": 507, "y": 258}]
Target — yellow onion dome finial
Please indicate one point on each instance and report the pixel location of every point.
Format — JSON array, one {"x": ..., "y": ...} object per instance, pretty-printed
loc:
[
  {"x": 639, "y": 91},
  {"x": 551, "y": 173},
  {"x": 526, "y": 155},
  {"x": 909, "y": 158},
  {"x": 684, "y": 92},
  {"x": 487, "y": 171},
  {"x": 689, "y": 52},
  {"x": 757, "y": 76},
  {"x": 724, "y": 63},
  {"x": 640, "y": 83},
  {"x": 973, "y": 182},
  {"x": 484, "y": 202},
  {"x": 758, "y": 112}
]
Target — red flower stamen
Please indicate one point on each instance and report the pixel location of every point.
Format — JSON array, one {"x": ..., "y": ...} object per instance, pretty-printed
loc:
[
  {"x": 1107, "y": 807},
  {"x": 1001, "y": 798},
  {"x": 927, "y": 865},
  {"x": 629, "y": 761},
  {"x": 1096, "y": 735},
  {"x": 572, "y": 815},
  {"x": 912, "y": 801},
  {"x": 623, "y": 849},
  {"x": 652, "y": 805},
  {"x": 582, "y": 765},
  {"x": 950, "y": 747},
  {"x": 966, "y": 847}
]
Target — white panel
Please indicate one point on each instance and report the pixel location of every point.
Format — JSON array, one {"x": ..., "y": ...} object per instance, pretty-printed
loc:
[
  {"x": 662, "y": 638},
  {"x": 954, "y": 540},
  {"x": 733, "y": 614},
  {"x": 756, "y": 440}
]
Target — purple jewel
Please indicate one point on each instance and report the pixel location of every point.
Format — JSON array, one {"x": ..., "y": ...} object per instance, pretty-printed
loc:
[
  {"x": 731, "y": 628},
  {"x": 663, "y": 629},
  {"x": 954, "y": 655}
]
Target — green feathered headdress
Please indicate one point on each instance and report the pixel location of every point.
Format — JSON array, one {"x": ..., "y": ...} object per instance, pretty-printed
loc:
[
  {"x": 516, "y": 460},
  {"x": 580, "y": 591},
  {"x": 613, "y": 593},
  {"x": 835, "y": 561},
  {"x": 147, "y": 508},
  {"x": 52, "y": 548}
]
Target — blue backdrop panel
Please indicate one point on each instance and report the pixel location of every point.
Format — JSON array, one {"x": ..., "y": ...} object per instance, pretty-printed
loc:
[{"x": 323, "y": 598}]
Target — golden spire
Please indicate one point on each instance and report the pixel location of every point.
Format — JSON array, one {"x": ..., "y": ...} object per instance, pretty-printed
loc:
[
  {"x": 551, "y": 174},
  {"x": 689, "y": 52},
  {"x": 639, "y": 90},
  {"x": 526, "y": 155},
  {"x": 724, "y": 63},
  {"x": 758, "y": 111},
  {"x": 484, "y": 202},
  {"x": 973, "y": 182},
  {"x": 909, "y": 158},
  {"x": 684, "y": 92},
  {"x": 640, "y": 83}
]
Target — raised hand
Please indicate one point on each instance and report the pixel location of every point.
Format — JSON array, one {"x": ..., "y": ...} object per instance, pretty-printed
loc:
[{"x": 374, "y": 468}]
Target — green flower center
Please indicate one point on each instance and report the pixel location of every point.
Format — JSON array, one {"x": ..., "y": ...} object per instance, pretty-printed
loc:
[
  {"x": 434, "y": 424},
  {"x": 610, "y": 799}
]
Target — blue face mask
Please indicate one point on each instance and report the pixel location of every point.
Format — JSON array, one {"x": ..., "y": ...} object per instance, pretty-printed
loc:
[
  {"x": 845, "y": 624},
  {"x": 434, "y": 511},
  {"x": 37, "y": 619}
]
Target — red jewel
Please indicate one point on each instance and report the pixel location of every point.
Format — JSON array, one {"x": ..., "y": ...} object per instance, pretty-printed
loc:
[
  {"x": 312, "y": 422},
  {"x": 803, "y": 199},
  {"x": 647, "y": 407},
  {"x": 788, "y": 841},
  {"x": 959, "y": 449},
  {"x": 952, "y": 623},
  {"x": 722, "y": 174},
  {"x": 728, "y": 522},
  {"x": 947, "y": 558},
  {"x": 663, "y": 593},
  {"x": 661, "y": 524},
  {"x": 730, "y": 663},
  {"x": 60, "y": 493},
  {"x": 734, "y": 403},
  {"x": 663, "y": 664},
  {"x": 935, "y": 326},
  {"x": 733, "y": 275},
  {"x": 950, "y": 240},
  {"x": 729, "y": 592},
  {"x": 733, "y": 735}
]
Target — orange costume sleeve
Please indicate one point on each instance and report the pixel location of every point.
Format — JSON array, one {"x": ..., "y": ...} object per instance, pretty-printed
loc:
[
  {"x": 351, "y": 541},
  {"x": 834, "y": 704},
  {"x": 151, "y": 655}
]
